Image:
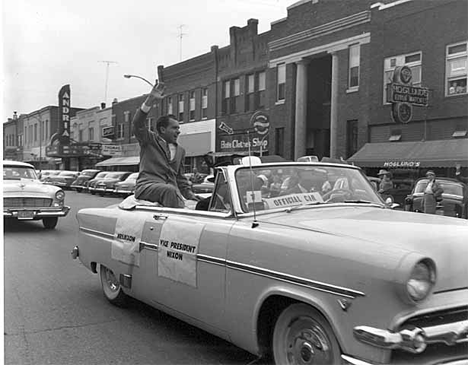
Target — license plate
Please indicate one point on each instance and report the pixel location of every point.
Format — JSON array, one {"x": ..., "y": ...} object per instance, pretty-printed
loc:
[{"x": 25, "y": 214}]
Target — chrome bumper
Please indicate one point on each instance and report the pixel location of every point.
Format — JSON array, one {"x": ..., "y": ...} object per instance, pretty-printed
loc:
[
  {"x": 414, "y": 340},
  {"x": 37, "y": 212}
]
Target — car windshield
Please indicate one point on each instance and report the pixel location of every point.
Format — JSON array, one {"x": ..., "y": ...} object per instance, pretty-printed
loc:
[
  {"x": 18, "y": 173},
  {"x": 131, "y": 177},
  {"x": 101, "y": 175},
  {"x": 288, "y": 186},
  {"x": 449, "y": 187},
  {"x": 67, "y": 173},
  {"x": 87, "y": 173}
]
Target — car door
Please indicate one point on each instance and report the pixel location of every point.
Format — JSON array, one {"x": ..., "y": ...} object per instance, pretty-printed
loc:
[{"x": 190, "y": 262}]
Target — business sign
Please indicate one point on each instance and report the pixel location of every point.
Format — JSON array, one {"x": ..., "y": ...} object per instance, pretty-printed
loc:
[
  {"x": 403, "y": 95},
  {"x": 107, "y": 131},
  {"x": 402, "y": 164},
  {"x": 111, "y": 150},
  {"x": 253, "y": 135},
  {"x": 64, "y": 114},
  {"x": 67, "y": 151}
]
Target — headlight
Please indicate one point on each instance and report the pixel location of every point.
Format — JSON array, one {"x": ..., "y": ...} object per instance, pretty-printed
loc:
[
  {"x": 60, "y": 195},
  {"x": 421, "y": 280}
]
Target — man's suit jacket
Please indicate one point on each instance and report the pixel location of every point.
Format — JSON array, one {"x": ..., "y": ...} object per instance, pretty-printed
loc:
[{"x": 155, "y": 163}]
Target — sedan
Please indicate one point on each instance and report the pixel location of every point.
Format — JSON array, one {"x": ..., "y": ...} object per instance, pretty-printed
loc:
[
  {"x": 64, "y": 179},
  {"x": 454, "y": 198},
  {"x": 25, "y": 197},
  {"x": 91, "y": 184},
  {"x": 126, "y": 187},
  {"x": 80, "y": 183},
  {"x": 304, "y": 277},
  {"x": 106, "y": 185}
]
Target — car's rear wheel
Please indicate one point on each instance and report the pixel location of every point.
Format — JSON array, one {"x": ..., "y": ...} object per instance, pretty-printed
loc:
[
  {"x": 303, "y": 336},
  {"x": 50, "y": 222},
  {"x": 111, "y": 287}
]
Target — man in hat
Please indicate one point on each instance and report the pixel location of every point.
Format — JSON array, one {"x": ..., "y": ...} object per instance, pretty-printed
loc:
[
  {"x": 385, "y": 184},
  {"x": 432, "y": 193}
]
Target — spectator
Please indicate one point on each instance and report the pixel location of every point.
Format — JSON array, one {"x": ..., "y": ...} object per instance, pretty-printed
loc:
[
  {"x": 386, "y": 183},
  {"x": 432, "y": 193}
]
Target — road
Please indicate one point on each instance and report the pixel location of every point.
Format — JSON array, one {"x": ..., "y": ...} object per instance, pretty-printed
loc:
[{"x": 55, "y": 312}]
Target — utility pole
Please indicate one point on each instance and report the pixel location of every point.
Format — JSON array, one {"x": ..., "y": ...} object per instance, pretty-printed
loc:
[
  {"x": 107, "y": 77},
  {"x": 181, "y": 34}
]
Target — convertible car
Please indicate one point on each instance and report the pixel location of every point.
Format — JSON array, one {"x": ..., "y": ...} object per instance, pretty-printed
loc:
[
  {"x": 323, "y": 272},
  {"x": 25, "y": 197}
]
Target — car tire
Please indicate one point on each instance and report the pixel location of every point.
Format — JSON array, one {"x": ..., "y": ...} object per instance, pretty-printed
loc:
[
  {"x": 93, "y": 193},
  {"x": 78, "y": 190},
  {"x": 101, "y": 194},
  {"x": 111, "y": 287},
  {"x": 50, "y": 222},
  {"x": 303, "y": 336}
]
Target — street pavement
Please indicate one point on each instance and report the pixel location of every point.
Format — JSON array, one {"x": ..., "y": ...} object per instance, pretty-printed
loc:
[{"x": 55, "y": 312}]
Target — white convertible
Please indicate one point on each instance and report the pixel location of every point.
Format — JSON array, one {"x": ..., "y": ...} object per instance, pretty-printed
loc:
[{"x": 299, "y": 261}]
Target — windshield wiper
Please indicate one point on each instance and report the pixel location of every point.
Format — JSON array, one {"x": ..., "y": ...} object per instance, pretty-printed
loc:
[
  {"x": 290, "y": 209},
  {"x": 359, "y": 201}
]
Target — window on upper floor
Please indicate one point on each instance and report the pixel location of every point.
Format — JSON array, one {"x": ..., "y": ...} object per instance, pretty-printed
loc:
[
  {"x": 80, "y": 135},
  {"x": 281, "y": 82},
  {"x": 226, "y": 97},
  {"x": 261, "y": 89},
  {"x": 127, "y": 116},
  {"x": 181, "y": 107},
  {"x": 169, "y": 105},
  {"x": 120, "y": 131},
  {"x": 250, "y": 92},
  {"x": 456, "y": 69},
  {"x": 192, "y": 106},
  {"x": 204, "y": 102},
  {"x": 91, "y": 133},
  {"x": 35, "y": 132},
  {"x": 412, "y": 60},
  {"x": 235, "y": 98},
  {"x": 353, "y": 67},
  {"x": 255, "y": 91}
]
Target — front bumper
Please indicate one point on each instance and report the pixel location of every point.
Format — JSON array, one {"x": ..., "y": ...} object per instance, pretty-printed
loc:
[
  {"x": 35, "y": 213},
  {"x": 102, "y": 189},
  {"x": 414, "y": 340}
]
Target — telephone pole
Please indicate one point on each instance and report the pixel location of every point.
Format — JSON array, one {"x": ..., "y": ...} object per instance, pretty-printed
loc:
[
  {"x": 107, "y": 77},
  {"x": 181, "y": 34}
]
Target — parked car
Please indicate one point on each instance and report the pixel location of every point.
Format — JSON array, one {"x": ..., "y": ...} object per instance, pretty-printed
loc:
[
  {"x": 25, "y": 197},
  {"x": 454, "y": 198},
  {"x": 312, "y": 277},
  {"x": 203, "y": 190},
  {"x": 91, "y": 184},
  {"x": 106, "y": 185},
  {"x": 80, "y": 183},
  {"x": 64, "y": 179},
  {"x": 45, "y": 174},
  {"x": 126, "y": 187}
]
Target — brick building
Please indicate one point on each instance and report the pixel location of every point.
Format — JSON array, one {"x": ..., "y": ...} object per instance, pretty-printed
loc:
[
  {"x": 12, "y": 143},
  {"x": 417, "y": 34}
]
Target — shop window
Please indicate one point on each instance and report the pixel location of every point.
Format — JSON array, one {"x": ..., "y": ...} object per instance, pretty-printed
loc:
[
  {"x": 412, "y": 60},
  {"x": 281, "y": 82},
  {"x": 456, "y": 69},
  {"x": 353, "y": 68},
  {"x": 204, "y": 103},
  {"x": 181, "y": 107},
  {"x": 192, "y": 105}
]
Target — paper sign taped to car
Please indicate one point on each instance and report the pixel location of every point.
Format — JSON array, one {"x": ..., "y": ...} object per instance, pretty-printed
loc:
[
  {"x": 293, "y": 199},
  {"x": 127, "y": 237},
  {"x": 177, "y": 251}
]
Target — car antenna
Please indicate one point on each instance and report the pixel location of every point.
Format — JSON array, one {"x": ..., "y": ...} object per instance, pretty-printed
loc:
[{"x": 254, "y": 223}]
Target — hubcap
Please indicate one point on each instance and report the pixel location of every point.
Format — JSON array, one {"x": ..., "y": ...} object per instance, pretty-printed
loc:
[
  {"x": 307, "y": 343},
  {"x": 111, "y": 280}
]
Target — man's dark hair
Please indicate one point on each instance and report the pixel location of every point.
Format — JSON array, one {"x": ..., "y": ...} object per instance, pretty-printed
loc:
[{"x": 163, "y": 121}]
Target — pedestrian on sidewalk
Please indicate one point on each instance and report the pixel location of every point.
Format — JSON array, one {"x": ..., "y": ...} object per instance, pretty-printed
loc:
[{"x": 432, "y": 193}]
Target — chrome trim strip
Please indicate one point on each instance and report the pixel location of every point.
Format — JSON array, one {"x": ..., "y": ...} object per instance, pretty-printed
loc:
[
  {"x": 148, "y": 246},
  {"x": 97, "y": 233},
  {"x": 352, "y": 361},
  {"x": 211, "y": 260},
  {"x": 316, "y": 285}
]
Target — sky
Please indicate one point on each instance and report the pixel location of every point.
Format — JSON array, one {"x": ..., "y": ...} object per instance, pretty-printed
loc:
[{"x": 51, "y": 43}]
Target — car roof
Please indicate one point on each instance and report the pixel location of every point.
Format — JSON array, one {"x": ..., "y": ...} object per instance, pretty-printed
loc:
[
  {"x": 17, "y": 163},
  {"x": 299, "y": 164}
]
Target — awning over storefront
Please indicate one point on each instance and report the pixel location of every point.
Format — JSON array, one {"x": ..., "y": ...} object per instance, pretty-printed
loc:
[
  {"x": 195, "y": 144},
  {"x": 120, "y": 161},
  {"x": 441, "y": 153}
]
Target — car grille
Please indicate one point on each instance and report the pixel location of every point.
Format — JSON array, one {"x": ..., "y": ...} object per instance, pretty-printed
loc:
[
  {"x": 26, "y": 202},
  {"x": 434, "y": 319}
]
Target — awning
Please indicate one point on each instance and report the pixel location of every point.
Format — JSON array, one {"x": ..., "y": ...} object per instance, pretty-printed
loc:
[
  {"x": 441, "y": 153},
  {"x": 120, "y": 161}
]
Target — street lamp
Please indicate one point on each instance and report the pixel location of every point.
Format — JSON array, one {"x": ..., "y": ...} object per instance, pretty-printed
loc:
[{"x": 139, "y": 77}]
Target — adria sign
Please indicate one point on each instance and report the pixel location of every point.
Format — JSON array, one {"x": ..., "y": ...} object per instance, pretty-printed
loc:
[{"x": 64, "y": 115}]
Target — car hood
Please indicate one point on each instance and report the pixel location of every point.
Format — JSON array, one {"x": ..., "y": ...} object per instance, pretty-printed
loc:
[
  {"x": 443, "y": 239},
  {"x": 26, "y": 186}
]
